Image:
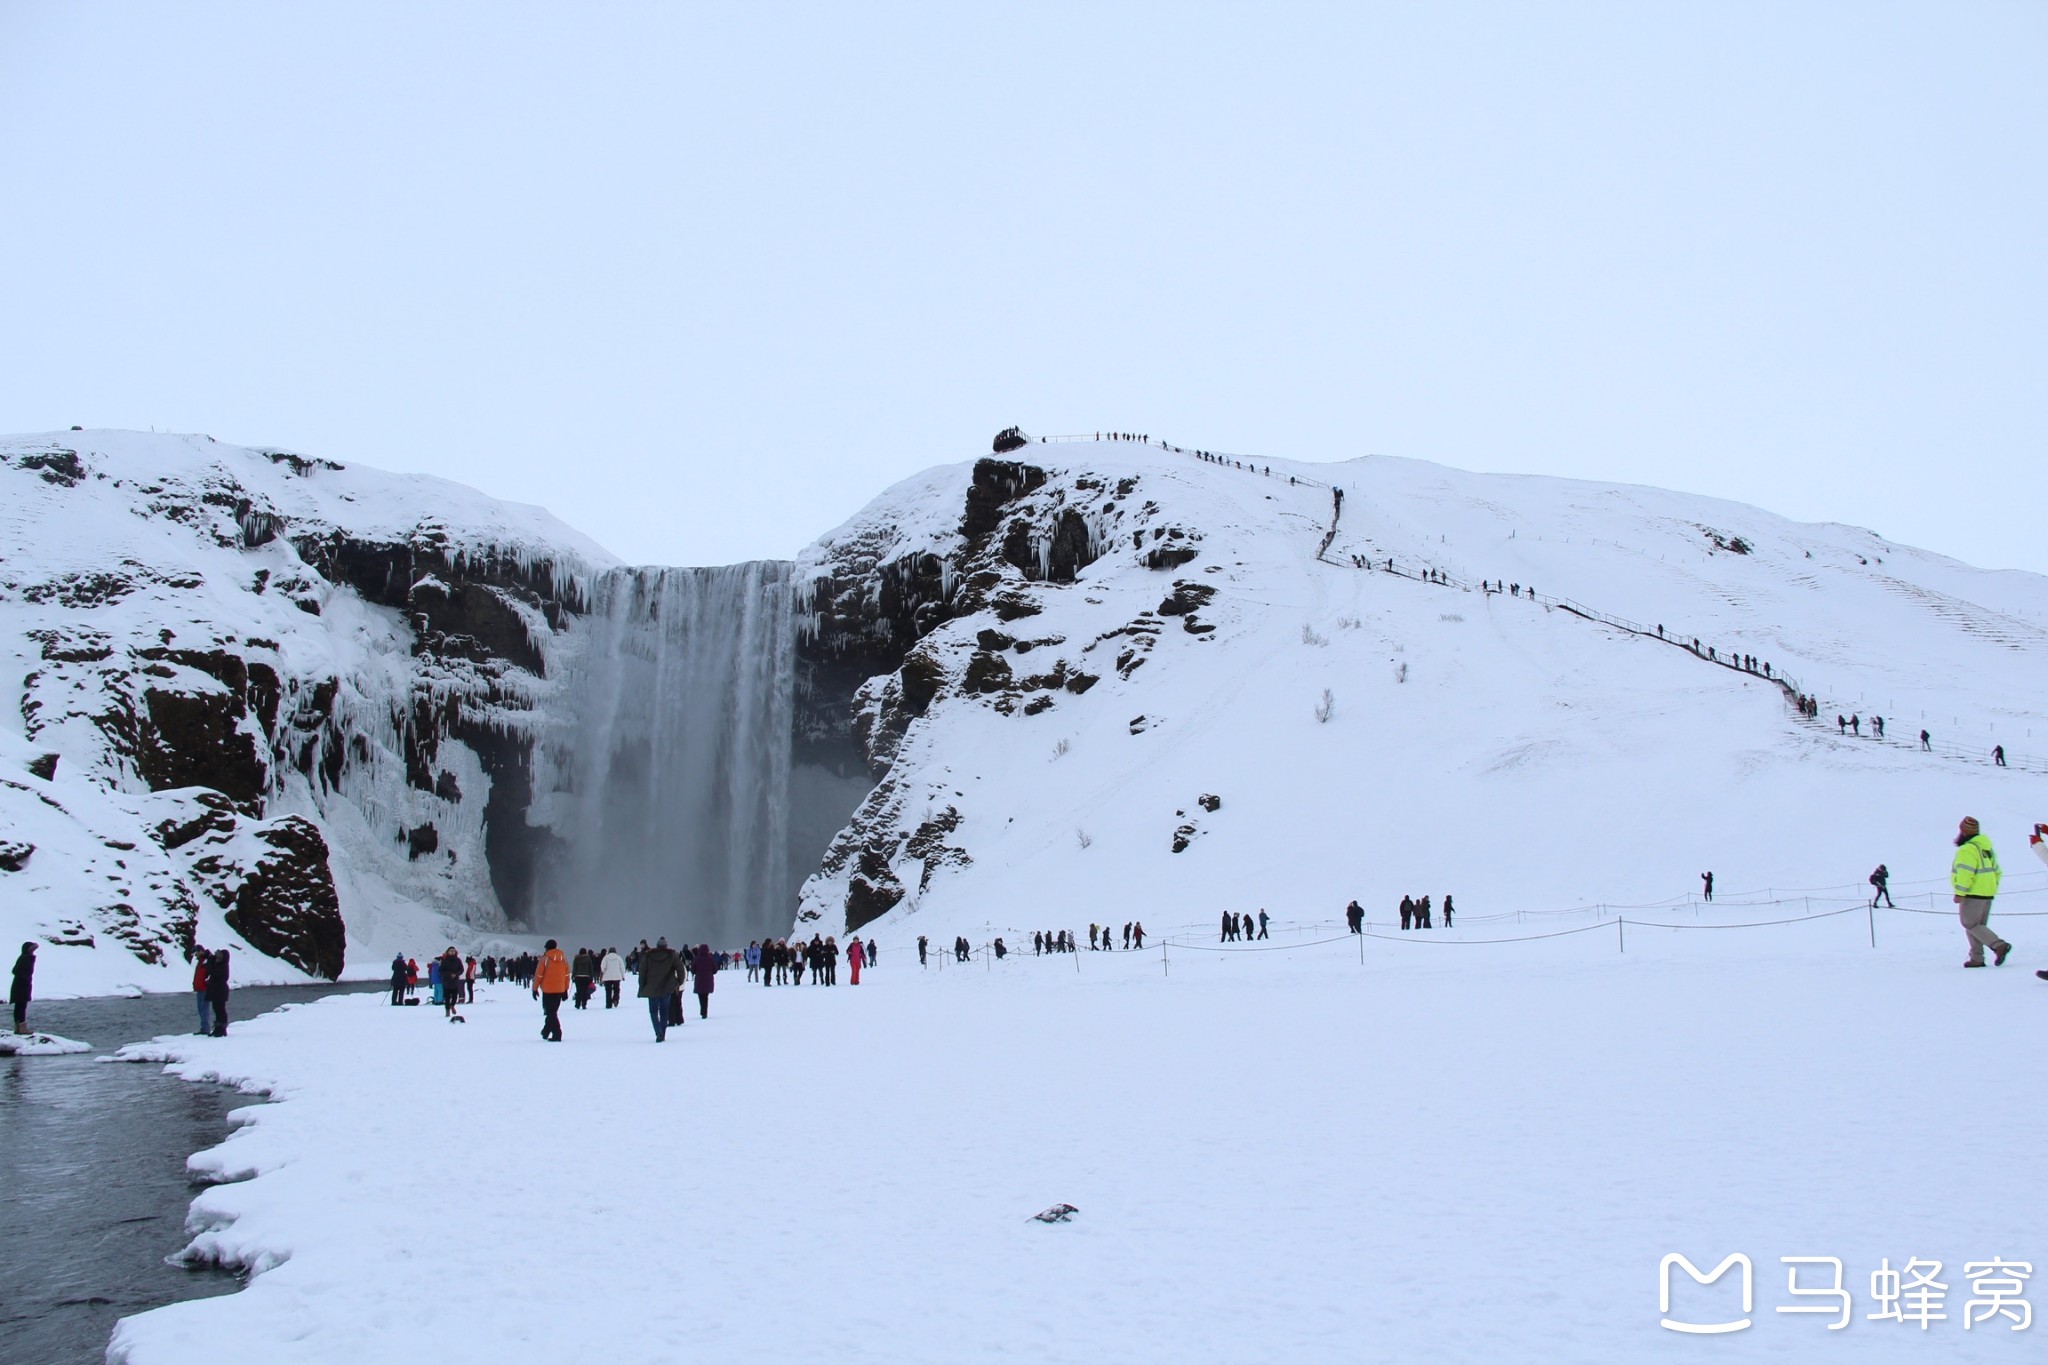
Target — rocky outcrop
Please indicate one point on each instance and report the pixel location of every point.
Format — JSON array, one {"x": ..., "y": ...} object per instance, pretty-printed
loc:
[
  {"x": 882, "y": 650},
  {"x": 285, "y": 901}
]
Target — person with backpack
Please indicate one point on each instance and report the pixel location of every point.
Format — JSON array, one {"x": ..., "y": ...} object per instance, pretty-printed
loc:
[
  {"x": 551, "y": 988},
  {"x": 1880, "y": 879},
  {"x": 1974, "y": 877},
  {"x": 703, "y": 971},
  {"x": 661, "y": 975},
  {"x": 1354, "y": 917}
]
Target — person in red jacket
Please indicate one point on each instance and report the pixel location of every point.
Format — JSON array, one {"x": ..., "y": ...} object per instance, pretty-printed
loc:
[
  {"x": 199, "y": 988},
  {"x": 855, "y": 955},
  {"x": 551, "y": 985}
]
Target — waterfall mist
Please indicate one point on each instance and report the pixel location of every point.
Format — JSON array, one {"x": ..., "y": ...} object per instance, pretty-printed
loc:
[{"x": 670, "y": 762}]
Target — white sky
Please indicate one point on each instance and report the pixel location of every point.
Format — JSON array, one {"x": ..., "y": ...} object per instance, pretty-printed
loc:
[{"x": 703, "y": 279}]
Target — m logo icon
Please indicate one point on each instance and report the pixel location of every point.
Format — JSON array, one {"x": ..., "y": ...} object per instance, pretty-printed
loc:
[{"x": 1705, "y": 1328}]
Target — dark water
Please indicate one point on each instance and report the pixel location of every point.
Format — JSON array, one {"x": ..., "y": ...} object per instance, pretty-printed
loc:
[{"x": 93, "y": 1187}]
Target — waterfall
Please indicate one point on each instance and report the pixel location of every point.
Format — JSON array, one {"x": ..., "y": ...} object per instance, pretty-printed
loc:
[{"x": 667, "y": 776}]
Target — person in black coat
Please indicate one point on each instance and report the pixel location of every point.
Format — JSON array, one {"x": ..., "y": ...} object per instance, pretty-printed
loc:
[
  {"x": 24, "y": 986},
  {"x": 217, "y": 991},
  {"x": 398, "y": 977}
]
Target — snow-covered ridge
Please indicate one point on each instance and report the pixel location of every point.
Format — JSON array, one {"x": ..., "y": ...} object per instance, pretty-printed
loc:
[
  {"x": 312, "y": 710},
  {"x": 207, "y": 642},
  {"x": 1045, "y": 731}
]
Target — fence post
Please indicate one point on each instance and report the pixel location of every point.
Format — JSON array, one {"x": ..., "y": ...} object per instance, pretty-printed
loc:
[
  {"x": 1620, "y": 934},
  {"x": 1873, "y": 924}
]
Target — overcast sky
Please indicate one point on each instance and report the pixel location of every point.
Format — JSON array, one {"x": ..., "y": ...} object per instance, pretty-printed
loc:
[{"x": 703, "y": 279}]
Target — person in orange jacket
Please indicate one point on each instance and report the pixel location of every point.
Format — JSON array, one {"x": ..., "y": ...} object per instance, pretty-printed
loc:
[{"x": 551, "y": 984}]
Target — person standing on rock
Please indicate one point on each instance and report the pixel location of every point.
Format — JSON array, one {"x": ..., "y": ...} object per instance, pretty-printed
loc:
[
  {"x": 661, "y": 974},
  {"x": 611, "y": 969},
  {"x": 855, "y": 955},
  {"x": 217, "y": 990},
  {"x": 551, "y": 988},
  {"x": 23, "y": 989},
  {"x": 1974, "y": 877}
]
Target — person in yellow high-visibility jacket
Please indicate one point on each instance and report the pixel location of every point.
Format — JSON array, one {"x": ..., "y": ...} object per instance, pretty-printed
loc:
[{"x": 1974, "y": 876}]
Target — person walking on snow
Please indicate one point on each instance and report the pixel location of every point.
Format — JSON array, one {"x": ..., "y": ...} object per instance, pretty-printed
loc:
[
  {"x": 703, "y": 971},
  {"x": 1224, "y": 937},
  {"x": 1707, "y": 879},
  {"x": 611, "y": 969},
  {"x": 660, "y": 974},
  {"x": 1998, "y": 754},
  {"x": 1924, "y": 745},
  {"x": 1354, "y": 916},
  {"x": 23, "y": 987},
  {"x": 1880, "y": 880},
  {"x": 1447, "y": 910},
  {"x": 1974, "y": 877},
  {"x": 855, "y": 955},
  {"x": 1262, "y": 922},
  {"x": 451, "y": 983},
  {"x": 1407, "y": 911},
  {"x": 551, "y": 988},
  {"x": 921, "y": 945}
]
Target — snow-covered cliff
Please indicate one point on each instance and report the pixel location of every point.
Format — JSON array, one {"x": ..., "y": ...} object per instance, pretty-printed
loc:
[
  {"x": 261, "y": 696},
  {"x": 325, "y": 712},
  {"x": 1126, "y": 682}
]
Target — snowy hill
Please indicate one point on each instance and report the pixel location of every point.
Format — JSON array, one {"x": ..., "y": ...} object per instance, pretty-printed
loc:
[
  {"x": 228, "y": 662},
  {"x": 1048, "y": 745},
  {"x": 324, "y": 713}
]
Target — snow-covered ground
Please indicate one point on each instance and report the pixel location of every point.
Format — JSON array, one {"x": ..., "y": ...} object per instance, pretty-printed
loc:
[{"x": 1419, "y": 1147}]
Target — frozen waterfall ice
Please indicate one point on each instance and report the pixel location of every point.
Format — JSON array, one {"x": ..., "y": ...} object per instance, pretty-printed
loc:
[{"x": 670, "y": 760}]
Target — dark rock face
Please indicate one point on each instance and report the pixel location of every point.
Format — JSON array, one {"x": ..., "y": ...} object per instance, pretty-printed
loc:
[
  {"x": 282, "y": 901},
  {"x": 14, "y": 854},
  {"x": 44, "y": 766}
]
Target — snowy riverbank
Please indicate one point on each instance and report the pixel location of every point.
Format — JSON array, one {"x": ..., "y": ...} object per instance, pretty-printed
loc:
[{"x": 1471, "y": 1153}]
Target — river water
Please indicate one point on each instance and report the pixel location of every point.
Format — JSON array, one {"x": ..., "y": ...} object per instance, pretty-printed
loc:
[{"x": 93, "y": 1186}]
